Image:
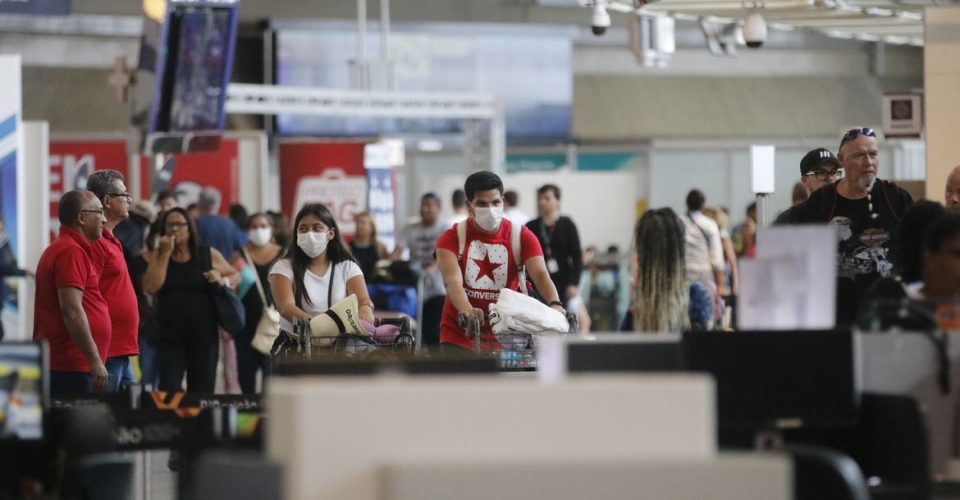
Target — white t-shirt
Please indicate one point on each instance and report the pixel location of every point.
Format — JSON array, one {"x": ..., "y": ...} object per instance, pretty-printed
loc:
[{"x": 316, "y": 286}]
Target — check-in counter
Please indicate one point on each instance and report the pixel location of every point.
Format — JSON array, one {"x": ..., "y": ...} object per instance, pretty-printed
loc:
[{"x": 333, "y": 436}]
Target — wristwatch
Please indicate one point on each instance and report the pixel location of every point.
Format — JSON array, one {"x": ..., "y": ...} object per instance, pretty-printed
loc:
[{"x": 555, "y": 303}]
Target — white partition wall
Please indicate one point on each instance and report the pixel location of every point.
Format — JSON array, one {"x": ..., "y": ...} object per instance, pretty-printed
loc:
[
  {"x": 253, "y": 161},
  {"x": 331, "y": 434},
  {"x": 36, "y": 180}
]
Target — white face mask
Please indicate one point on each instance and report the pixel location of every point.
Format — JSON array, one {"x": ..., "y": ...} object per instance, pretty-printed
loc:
[
  {"x": 259, "y": 236},
  {"x": 488, "y": 218},
  {"x": 312, "y": 244}
]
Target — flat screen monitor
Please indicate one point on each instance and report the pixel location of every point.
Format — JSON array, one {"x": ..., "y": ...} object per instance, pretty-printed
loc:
[
  {"x": 619, "y": 352},
  {"x": 23, "y": 390},
  {"x": 193, "y": 64},
  {"x": 771, "y": 380}
]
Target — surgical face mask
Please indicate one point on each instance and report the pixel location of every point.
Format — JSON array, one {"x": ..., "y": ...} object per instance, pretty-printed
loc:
[
  {"x": 488, "y": 217},
  {"x": 259, "y": 236},
  {"x": 312, "y": 243}
]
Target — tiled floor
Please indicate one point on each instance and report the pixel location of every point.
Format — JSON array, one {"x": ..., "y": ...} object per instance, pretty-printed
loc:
[{"x": 161, "y": 483}]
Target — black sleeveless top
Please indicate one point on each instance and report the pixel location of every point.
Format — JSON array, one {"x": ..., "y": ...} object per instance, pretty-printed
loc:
[
  {"x": 184, "y": 295},
  {"x": 367, "y": 257}
]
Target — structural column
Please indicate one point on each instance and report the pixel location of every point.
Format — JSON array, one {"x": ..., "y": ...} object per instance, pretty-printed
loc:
[{"x": 941, "y": 76}]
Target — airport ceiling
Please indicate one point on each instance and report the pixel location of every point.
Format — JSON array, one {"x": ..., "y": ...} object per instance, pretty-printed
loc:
[{"x": 890, "y": 21}]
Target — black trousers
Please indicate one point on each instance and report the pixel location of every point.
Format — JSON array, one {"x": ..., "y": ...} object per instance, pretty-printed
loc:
[
  {"x": 430, "y": 324},
  {"x": 250, "y": 360},
  {"x": 194, "y": 349}
]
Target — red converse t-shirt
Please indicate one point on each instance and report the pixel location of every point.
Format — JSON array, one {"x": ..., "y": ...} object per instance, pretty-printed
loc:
[{"x": 487, "y": 265}]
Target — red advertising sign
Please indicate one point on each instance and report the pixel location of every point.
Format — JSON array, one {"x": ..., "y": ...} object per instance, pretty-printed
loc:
[
  {"x": 217, "y": 169},
  {"x": 331, "y": 173},
  {"x": 72, "y": 161}
]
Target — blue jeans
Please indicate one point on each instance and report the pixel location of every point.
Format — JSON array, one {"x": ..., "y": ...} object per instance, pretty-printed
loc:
[
  {"x": 120, "y": 373},
  {"x": 149, "y": 371},
  {"x": 70, "y": 383}
]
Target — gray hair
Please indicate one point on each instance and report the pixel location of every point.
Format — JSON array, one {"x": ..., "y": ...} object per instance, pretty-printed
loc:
[
  {"x": 209, "y": 200},
  {"x": 101, "y": 182}
]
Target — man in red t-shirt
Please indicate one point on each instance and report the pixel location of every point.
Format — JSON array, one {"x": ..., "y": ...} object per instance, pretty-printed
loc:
[
  {"x": 487, "y": 264},
  {"x": 115, "y": 284},
  {"x": 69, "y": 310}
]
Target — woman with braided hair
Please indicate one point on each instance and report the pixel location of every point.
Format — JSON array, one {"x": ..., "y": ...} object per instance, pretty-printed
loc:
[{"x": 664, "y": 300}]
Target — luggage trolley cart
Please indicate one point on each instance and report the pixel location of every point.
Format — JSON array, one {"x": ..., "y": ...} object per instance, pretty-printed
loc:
[
  {"x": 514, "y": 350},
  {"x": 348, "y": 343}
]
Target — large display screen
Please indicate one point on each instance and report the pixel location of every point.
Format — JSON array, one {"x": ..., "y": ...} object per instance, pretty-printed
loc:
[
  {"x": 201, "y": 73},
  {"x": 188, "y": 60},
  {"x": 23, "y": 390},
  {"x": 530, "y": 71}
]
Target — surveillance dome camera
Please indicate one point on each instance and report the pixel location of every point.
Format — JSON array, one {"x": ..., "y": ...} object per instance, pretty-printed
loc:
[
  {"x": 754, "y": 30},
  {"x": 601, "y": 19}
]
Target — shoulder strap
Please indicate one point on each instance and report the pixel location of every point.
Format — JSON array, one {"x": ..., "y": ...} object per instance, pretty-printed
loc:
[
  {"x": 461, "y": 238},
  {"x": 891, "y": 193},
  {"x": 515, "y": 231},
  {"x": 702, "y": 232},
  {"x": 546, "y": 238},
  {"x": 205, "y": 257},
  {"x": 263, "y": 295},
  {"x": 333, "y": 268}
]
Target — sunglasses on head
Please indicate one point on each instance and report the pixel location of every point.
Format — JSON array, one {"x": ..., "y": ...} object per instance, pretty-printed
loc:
[{"x": 853, "y": 133}]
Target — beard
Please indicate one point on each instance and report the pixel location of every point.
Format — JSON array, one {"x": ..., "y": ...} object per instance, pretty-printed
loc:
[{"x": 866, "y": 180}]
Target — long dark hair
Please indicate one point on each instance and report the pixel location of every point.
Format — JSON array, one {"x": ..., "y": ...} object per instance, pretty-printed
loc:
[
  {"x": 337, "y": 251},
  {"x": 662, "y": 291},
  {"x": 192, "y": 241}
]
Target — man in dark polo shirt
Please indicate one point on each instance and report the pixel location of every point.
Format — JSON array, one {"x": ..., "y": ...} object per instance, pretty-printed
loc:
[
  {"x": 70, "y": 313},
  {"x": 115, "y": 284}
]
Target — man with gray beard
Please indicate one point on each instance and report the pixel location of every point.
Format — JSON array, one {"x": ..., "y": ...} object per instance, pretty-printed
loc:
[{"x": 867, "y": 212}]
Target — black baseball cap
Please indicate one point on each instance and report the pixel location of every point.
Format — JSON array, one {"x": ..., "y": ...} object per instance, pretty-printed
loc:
[{"x": 816, "y": 158}]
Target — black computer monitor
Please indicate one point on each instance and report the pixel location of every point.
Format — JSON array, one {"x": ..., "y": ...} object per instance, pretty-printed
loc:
[
  {"x": 619, "y": 352},
  {"x": 771, "y": 380},
  {"x": 24, "y": 390}
]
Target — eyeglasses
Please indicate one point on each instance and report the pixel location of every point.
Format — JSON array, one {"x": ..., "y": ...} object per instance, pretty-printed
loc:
[
  {"x": 853, "y": 133},
  {"x": 126, "y": 196},
  {"x": 823, "y": 175},
  {"x": 99, "y": 211},
  {"x": 175, "y": 225}
]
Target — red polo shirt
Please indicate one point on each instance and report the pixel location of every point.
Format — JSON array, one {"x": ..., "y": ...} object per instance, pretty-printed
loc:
[
  {"x": 117, "y": 290},
  {"x": 69, "y": 262}
]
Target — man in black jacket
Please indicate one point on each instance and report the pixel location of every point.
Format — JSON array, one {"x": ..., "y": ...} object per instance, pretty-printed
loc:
[
  {"x": 560, "y": 242},
  {"x": 866, "y": 211}
]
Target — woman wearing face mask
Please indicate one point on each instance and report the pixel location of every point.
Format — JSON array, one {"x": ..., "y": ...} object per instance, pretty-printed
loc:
[
  {"x": 263, "y": 253},
  {"x": 364, "y": 245},
  {"x": 317, "y": 271}
]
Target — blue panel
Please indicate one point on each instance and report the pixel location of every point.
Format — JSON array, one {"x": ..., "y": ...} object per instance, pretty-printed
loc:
[
  {"x": 8, "y": 126},
  {"x": 37, "y": 7}
]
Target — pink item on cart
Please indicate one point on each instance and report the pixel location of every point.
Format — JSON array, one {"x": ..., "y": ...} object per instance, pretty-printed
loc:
[{"x": 384, "y": 333}]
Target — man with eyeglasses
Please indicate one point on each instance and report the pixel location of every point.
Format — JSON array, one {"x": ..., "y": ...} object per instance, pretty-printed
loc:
[
  {"x": 866, "y": 211},
  {"x": 817, "y": 167},
  {"x": 70, "y": 311},
  {"x": 115, "y": 283}
]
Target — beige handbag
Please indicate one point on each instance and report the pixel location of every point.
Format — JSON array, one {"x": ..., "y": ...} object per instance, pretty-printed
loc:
[{"x": 268, "y": 329}]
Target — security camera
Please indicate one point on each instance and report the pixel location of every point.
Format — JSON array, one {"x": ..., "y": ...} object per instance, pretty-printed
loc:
[
  {"x": 601, "y": 18},
  {"x": 754, "y": 30}
]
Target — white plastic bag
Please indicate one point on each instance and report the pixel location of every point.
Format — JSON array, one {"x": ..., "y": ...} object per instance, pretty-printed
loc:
[{"x": 516, "y": 312}]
